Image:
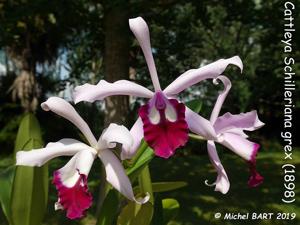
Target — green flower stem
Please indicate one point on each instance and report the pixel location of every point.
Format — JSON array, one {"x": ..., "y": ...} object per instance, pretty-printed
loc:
[
  {"x": 140, "y": 151},
  {"x": 103, "y": 190},
  {"x": 196, "y": 137},
  {"x": 145, "y": 183}
]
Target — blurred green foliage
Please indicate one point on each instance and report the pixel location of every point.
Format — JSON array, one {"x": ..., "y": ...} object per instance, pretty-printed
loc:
[{"x": 29, "y": 195}]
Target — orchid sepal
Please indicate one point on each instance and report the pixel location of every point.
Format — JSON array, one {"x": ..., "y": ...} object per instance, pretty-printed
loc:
[
  {"x": 194, "y": 76},
  {"x": 103, "y": 89}
]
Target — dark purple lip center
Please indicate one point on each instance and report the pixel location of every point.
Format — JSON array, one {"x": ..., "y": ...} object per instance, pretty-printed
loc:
[{"x": 160, "y": 101}]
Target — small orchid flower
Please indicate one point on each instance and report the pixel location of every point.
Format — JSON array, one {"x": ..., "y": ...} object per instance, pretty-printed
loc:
[
  {"x": 230, "y": 133},
  {"x": 163, "y": 121},
  {"x": 71, "y": 180}
]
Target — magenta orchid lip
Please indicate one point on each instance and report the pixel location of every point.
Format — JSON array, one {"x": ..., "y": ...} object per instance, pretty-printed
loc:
[
  {"x": 165, "y": 136},
  {"x": 76, "y": 199}
]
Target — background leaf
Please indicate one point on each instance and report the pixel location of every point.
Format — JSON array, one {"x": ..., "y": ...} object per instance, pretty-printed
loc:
[
  {"x": 164, "y": 186},
  {"x": 158, "y": 210},
  {"x": 30, "y": 185},
  {"x": 109, "y": 211},
  {"x": 136, "y": 214},
  {"x": 170, "y": 209},
  {"x": 167, "y": 186},
  {"x": 6, "y": 181}
]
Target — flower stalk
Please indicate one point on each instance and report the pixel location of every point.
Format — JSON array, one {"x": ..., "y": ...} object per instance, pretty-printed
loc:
[
  {"x": 196, "y": 137},
  {"x": 103, "y": 190},
  {"x": 145, "y": 183}
]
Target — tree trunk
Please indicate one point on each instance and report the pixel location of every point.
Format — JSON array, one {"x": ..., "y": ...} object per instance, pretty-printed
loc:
[
  {"x": 116, "y": 57},
  {"x": 25, "y": 87},
  {"x": 116, "y": 67}
]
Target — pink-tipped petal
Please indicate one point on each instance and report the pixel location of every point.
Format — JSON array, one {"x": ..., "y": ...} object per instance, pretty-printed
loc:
[
  {"x": 239, "y": 145},
  {"x": 71, "y": 184},
  {"x": 38, "y": 157},
  {"x": 137, "y": 133},
  {"x": 140, "y": 30},
  {"x": 222, "y": 183},
  {"x": 245, "y": 121},
  {"x": 210, "y": 71},
  {"x": 199, "y": 125},
  {"x": 161, "y": 133},
  {"x": 103, "y": 89},
  {"x": 255, "y": 178},
  {"x": 254, "y": 153},
  {"x": 247, "y": 150},
  {"x": 115, "y": 134},
  {"x": 64, "y": 109},
  {"x": 116, "y": 176},
  {"x": 221, "y": 98}
]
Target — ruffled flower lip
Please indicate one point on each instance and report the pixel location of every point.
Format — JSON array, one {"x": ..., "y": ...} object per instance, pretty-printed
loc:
[
  {"x": 164, "y": 124},
  {"x": 75, "y": 200}
]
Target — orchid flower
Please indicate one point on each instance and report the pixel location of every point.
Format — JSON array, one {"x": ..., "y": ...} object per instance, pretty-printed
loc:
[
  {"x": 230, "y": 133},
  {"x": 163, "y": 121},
  {"x": 71, "y": 180}
]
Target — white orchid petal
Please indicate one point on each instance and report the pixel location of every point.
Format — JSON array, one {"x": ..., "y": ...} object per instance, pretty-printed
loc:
[
  {"x": 199, "y": 125},
  {"x": 38, "y": 157},
  {"x": 210, "y": 71},
  {"x": 222, "y": 183},
  {"x": 137, "y": 133},
  {"x": 116, "y": 176},
  {"x": 115, "y": 134},
  {"x": 140, "y": 29},
  {"x": 221, "y": 98},
  {"x": 64, "y": 109},
  {"x": 80, "y": 163},
  {"x": 103, "y": 89},
  {"x": 244, "y": 121},
  {"x": 238, "y": 131}
]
